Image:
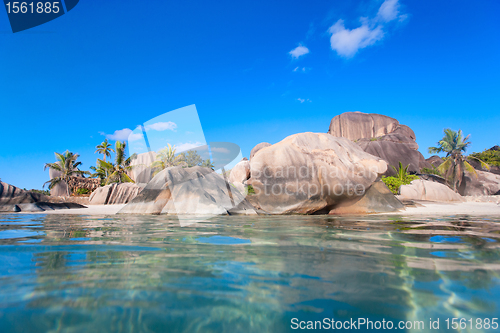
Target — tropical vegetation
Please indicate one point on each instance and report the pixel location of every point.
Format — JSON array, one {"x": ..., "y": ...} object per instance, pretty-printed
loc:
[
  {"x": 165, "y": 158},
  {"x": 117, "y": 172},
  {"x": 105, "y": 149},
  {"x": 402, "y": 178},
  {"x": 454, "y": 144},
  {"x": 68, "y": 167},
  {"x": 489, "y": 156}
]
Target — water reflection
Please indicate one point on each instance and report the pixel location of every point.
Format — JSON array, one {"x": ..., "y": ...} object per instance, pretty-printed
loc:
[{"x": 156, "y": 273}]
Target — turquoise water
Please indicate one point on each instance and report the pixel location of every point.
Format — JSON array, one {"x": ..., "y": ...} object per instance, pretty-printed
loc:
[{"x": 62, "y": 273}]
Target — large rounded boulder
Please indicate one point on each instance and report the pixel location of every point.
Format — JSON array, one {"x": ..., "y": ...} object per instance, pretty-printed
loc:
[
  {"x": 427, "y": 190},
  {"x": 381, "y": 136},
  {"x": 188, "y": 191},
  {"x": 311, "y": 173}
]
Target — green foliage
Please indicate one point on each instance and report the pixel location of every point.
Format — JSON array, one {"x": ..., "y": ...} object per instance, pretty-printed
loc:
[
  {"x": 208, "y": 164},
  {"x": 105, "y": 149},
  {"x": 191, "y": 158},
  {"x": 401, "y": 172},
  {"x": 82, "y": 191},
  {"x": 429, "y": 171},
  {"x": 452, "y": 142},
  {"x": 44, "y": 192},
  {"x": 166, "y": 158},
  {"x": 454, "y": 166},
  {"x": 394, "y": 183},
  {"x": 68, "y": 166},
  {"x": 250, "y": 190},
  {"x": 374, "y": 139},
  {"x": 118, "y": 171},
  {"x": 491, "y": 157}
]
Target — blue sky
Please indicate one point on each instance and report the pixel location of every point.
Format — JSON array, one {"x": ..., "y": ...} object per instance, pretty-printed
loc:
[{"x": 111, "y": 65}]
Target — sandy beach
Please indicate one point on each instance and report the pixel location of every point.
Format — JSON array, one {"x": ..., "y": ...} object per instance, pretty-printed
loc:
[{"x": 421, "y": 208}]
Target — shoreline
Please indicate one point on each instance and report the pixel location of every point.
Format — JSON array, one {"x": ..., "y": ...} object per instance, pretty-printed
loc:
[{"x": 421, "y": 208}]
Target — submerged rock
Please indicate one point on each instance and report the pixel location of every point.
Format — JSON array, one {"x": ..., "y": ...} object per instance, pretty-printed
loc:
[
  {"x": 427, "y": 190},
  {"x": 311, "y": 172},
  {"x": 196, "y": 191}
]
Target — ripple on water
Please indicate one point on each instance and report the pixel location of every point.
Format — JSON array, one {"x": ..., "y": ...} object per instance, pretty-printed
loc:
[{"x": 158, "y": 273}]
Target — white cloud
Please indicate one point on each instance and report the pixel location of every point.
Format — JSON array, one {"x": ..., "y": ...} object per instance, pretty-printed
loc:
[
  {"x": 301, "y": 100},
  {"x": 162, "y": 126},
  {"x": 220, "y": 150},
  {"x": 299, "y": 51},
  {"x": 187, "y": 146},
  {"x": 388, "y": 11},
  {"x": 298, "y": 69},
  {"x": 122, "y": 135},
  {"x": 347, "y": 42}
]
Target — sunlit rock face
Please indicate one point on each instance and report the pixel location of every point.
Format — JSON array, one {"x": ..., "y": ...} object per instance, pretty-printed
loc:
[
  {"x": 311, "y": 173},
  {"x": 188, "y": 191},
  {"x": 377, "y": 199},
  {"x": 359, "y": 125},
  {"x": 240, "y": 174},
  {"x": 427, "y": 190},
  {"x": 257, "y": 148},
  {"x": 115, "y": 194},
  {"x": 481, "y": 183},
  {"x": 10, "y": 194},
  {"x": 14, "y": 199},
  {"x": 381, "y": 136}
]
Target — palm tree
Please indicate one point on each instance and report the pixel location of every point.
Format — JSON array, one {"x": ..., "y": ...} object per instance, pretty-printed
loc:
[
  {"x": 118, "y": 170},
  {"x": 165, "y": 158},
  {"x": 401, "y": 172},
  {"x": 105, "y": 149},
  {"x": 454, "y": 144},
  {"x": 67, "y": 165},
  {"x": 102, "y": 170}
]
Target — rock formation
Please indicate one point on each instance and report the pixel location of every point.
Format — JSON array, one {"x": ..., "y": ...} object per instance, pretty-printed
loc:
[
  {"x": 377, "y": 199},
  {"x": 381, "y": 136},
  {"x": 240, "y": 174},
  {"x": 310, "y": 173},
  {"x": 115, "y": 193},
  {"x": 435, "y": 161},
  {"x": 13, "y": 199},
  {"x": 486, "y": 183},
  {"x": 13, "y": 195},
  {"x": 196, "y": 190},
  {"x": 427, "y": 190},
  {"x": 257, "y": 148},
  {"x": 141, "y": 167},
  {"x": 358, "y": 125},
  {"x": 61, "y": 188}
]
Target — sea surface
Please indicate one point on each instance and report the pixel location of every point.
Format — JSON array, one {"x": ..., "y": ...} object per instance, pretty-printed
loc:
[{"x": 63, "y": 273}]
